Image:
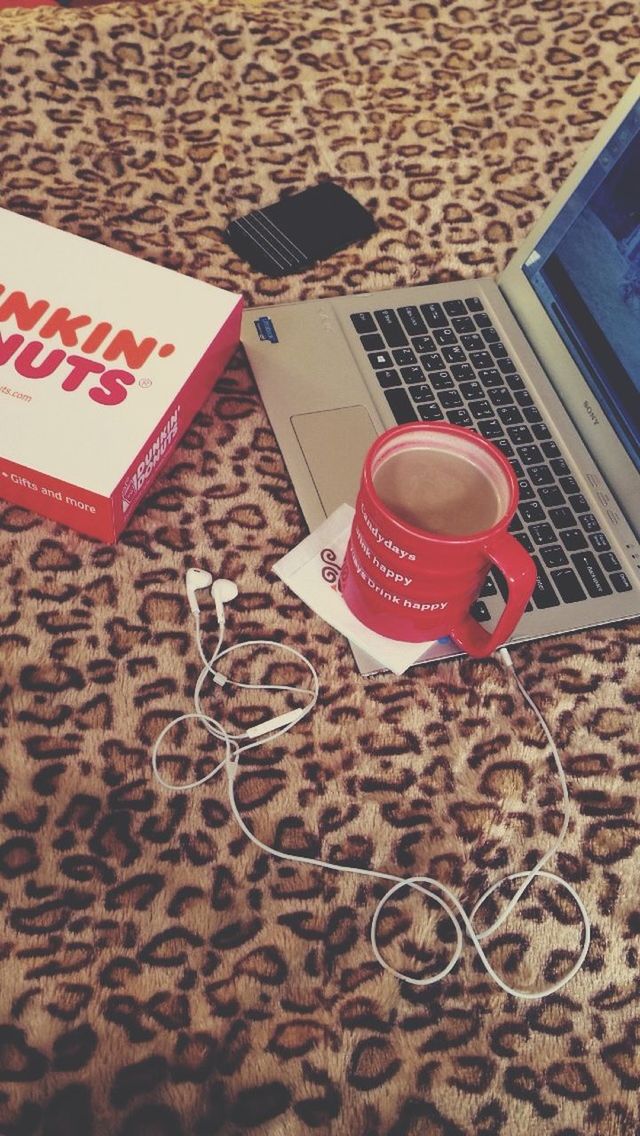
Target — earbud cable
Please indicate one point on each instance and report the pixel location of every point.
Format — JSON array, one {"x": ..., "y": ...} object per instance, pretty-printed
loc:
[{"x": 433, "y": 889}]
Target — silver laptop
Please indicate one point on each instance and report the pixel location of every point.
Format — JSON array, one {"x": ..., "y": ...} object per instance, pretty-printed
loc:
[{"x": 544, "y": 361}]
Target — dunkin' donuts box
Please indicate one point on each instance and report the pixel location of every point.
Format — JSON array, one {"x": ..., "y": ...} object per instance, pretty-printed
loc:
[{"x": 104, "y": 360}]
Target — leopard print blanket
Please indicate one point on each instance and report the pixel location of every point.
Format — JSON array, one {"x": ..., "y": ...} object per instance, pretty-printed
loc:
[{"x": 161, "y": 976}]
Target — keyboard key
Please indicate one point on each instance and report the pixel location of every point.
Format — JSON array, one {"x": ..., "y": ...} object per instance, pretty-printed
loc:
[
  {"x": 490, "y": 428},
  {"x": 430, "y": 412},
  {"x": 464, "y": 324},
  {"x": 391, "y": 327},
  {"x": 380, "y": 360},
  {"x": 454, "y": 354},
  {"x": 401, "y": 405},
  {"x": 520, "y": 435},
  {"x": 579, "y": 503},
  {"x": 573, "y": 539},
  {"x": 474, "y": 304},
  {"x": 489, "y": 334},
  {"x": 434, "y": 315},
  {"x": 432, "y": 361},
  {"x": 455, "y": 307},
  {"x": 480, "y": 611},
  {"x": 530, "y": 455},
  {"x": 516, "y": 467},
  {"x": 444, "y": 336},
  {"x": 412, "y": 374},
  {"x": 481, "y": 409},
  {"x": 532, "y": 414},
  {"x": 610, "y": 562},
  {"x": 543, "y": 593},
  {"x": 540, "y": 430},
  {"x": 373, "y": 342},
  {"x": 472, "y": 342},
  {"x": 363, "y": 321},
  {"x": 540, "y": 474},
  {"x": 412, "y": 320},
  {"x": 551, "y": 495},
  {"x": 526, "y": 492},
  {"x": 515, "y": 381},
  {"x": 460, "y": 417},
  {"x": 461, "y": 371},
  {"x": 440, "y": 380},
  {"x": 450, "y": 398},
  {"x": 543, "y": 533},
  {"x": 505, "y": 445},
  {"x": 589, "y": 522},
  {"x": 550, "y": 450},
  {"x": 422, "y": 393},
  {"x": 516, "y": 525},
  {"x": 591, "y": 574},
  {"x": 481, "y": 360},
  {"x": 568, "y": 585},
  {"x": 570, "y": 485},
  {"x": 498, "y": 350},
  {"x": 523, "y": 398},
  {"x": 600, "y": 542},
  {"x": 531, "y": 512},
  {"x": 506, "y": 365},
  {"x": 423, "y": 343},
  {"x": 554, "y": 556},
  {"x": 621, "y": 582},
  {"x": 388, "y": 379},
  {"x": 489, "y": 587},
  {"x": 489, "y": 377},
  {"x": 470, "y": 390},
  {"x": 508, "y": 415},
  {"x": 560, "y": 467},
  {"x": 483, "y": 320},
  {"x": 562, "y": 517},
  {"x": 404, "y": 357},
  {"x": 500, "y": 396}
]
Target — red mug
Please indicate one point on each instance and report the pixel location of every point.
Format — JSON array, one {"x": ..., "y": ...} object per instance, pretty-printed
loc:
[{"x": 431, "y": 519}]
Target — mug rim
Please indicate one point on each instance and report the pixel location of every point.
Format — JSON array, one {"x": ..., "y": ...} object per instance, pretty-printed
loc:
[{"x": 481, "y": 535}]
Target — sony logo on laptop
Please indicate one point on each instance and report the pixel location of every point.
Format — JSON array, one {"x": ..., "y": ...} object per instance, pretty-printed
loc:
[{"x": 591, "y": 412}]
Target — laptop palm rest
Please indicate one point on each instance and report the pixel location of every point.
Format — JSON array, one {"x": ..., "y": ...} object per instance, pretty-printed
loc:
[{"x": 334, "y": 444}]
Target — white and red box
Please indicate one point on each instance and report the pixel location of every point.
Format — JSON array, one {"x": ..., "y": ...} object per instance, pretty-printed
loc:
[{"x": 104, "y": 360}]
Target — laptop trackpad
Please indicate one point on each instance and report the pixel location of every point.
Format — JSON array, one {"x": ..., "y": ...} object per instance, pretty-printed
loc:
[{"x": 334, "y": 443}]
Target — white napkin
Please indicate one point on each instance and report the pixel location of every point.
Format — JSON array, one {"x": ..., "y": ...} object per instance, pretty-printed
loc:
[{"x": 311, "y": 570}]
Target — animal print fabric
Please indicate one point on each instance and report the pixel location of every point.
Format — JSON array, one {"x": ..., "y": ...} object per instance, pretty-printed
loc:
[{"x": 161, "y": 976}]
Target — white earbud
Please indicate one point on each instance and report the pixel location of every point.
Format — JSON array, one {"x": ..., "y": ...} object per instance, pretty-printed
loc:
[
  {"x": 196, "y": 579},
  {"x": 223, "y": 591},
  {"x": 276, "y": 723}
]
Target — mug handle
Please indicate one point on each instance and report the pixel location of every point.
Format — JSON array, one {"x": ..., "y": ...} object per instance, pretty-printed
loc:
[{"x": 520, "y": 573}]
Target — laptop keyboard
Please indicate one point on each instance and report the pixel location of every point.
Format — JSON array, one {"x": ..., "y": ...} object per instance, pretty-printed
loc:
[{"x": 446, "y": 363}]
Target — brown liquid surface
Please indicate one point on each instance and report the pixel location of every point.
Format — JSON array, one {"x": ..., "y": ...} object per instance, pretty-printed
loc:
[{"x": 438, "y": 491}]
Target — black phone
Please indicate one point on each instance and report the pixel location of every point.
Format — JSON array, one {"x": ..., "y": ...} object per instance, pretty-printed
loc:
[{"x": 300, "y": 229}]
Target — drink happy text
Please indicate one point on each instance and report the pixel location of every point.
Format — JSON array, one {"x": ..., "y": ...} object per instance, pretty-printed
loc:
[{"x": 34, "y": 359}]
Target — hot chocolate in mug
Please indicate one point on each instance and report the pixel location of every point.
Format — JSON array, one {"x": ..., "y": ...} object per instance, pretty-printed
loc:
[{"x": 431, "y": 519}]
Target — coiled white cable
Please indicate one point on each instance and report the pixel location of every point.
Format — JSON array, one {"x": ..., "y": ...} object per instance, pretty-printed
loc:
[{"x": 431, "y": 888}]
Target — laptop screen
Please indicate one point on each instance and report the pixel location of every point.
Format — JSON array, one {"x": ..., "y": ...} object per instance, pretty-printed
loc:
[{"x": 585, "y": 271}]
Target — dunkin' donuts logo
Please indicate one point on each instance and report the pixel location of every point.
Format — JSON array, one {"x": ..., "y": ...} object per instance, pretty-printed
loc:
[
  {"x": 146, "y": 466},
  {"x": 55, "y": 329}
]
